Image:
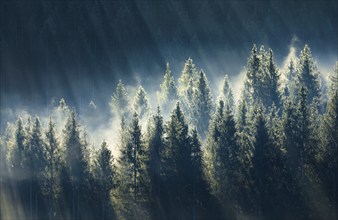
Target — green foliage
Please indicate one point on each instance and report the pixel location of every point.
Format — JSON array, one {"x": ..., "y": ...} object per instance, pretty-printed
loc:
[
  {"x": 202, "y": 105},
  {"x": 274, "y": 158},
  {"x": 141, "y": 105},
  {"x": 169, "y": 93},
  {"x": 227, "y": 94},
  {"x": 119, "y": 100}
]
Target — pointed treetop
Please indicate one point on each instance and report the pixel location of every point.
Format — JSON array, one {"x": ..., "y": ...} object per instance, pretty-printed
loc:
[{"x": 141, "y": 105}]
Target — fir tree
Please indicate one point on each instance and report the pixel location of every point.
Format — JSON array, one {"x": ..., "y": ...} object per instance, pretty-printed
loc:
[
  {"x": 252, "y": 75},
  {"x": 105, "y": 175},
  {"x": 227, "y": 94},
  {"x": 292, "y": 81},
  {"x": 155, "y": 146},
  {"x": 188, "y": 74},
  {"x": 186, "y": 84},
  {"x": 308, "y": 75},
  {"x": 202, "y": 104},
  {"x": 265, "y": 169},
  {"x": 176, "y": 163},
  {"x": 35, "y": 164},
  {"x": 273, "y": 82},
  {"x": 169, "y": 92},
  {"x": 329, "y": 139},
  {"x": 119, "y": 100},
  {"x": 52, "y": 173},
  {"x": 76, "y": 169},
  {"x": 17, "y": 154},
  {"x": 141, "y": 106}
]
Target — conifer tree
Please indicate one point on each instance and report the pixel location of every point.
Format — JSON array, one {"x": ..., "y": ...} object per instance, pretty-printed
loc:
[
  {"x": 176, "y": 163},
  {"x": 252, "y": 75},
  {"x": 297, "y": 142},
  {"x": 155, "y": 146},
  {"x": 210, "y": 153},
  {"x": 52, "y": 173},
  {"x": 273, "y": 82},
  {"x": 202, "y": 104},
  {"x": 105, "y": 175},
  {"x": 308, "y": 75},
  {"x": 265, "y": 169},
  {"x": 186, "y": 84},
  {"x": 35, "y": 164},
  {"x": 17, "y": 154},
  {"x": 169, "y": 93},
  {"x": 76, "y": 171},
  {"x": 227, "y": 94},
  {"x": 188, "y": 74},
  {"x": 200, "y": 197},
  {"x": 329, "y": 139},
  {"x": 292, "y": 81},
  {"x": 141, "y": 106},
  {"x": 119, "y": 100}
]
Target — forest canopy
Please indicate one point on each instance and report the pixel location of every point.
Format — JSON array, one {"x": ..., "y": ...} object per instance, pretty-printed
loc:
[{"x": 272, "y": 154}]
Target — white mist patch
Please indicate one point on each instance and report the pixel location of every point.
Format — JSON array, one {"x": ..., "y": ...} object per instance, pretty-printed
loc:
[
  {"x": 292, "y": 55},
  {"x": 237, "y": 84}
]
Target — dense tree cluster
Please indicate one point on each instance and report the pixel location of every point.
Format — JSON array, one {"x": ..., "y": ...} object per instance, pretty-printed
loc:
[{"x": 272, "y": 156}]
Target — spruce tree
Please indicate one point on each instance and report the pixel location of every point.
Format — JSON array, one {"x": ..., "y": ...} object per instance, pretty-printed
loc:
[
  {"x": 202, "y": 105},
  {"x": 273, "y": 82},
  {"x": 52, "y": 173},
  {"x": 119, "y": 101},
  {"x": 188, "y": 74},
  {"x": 141, "y": 105},
  {"x": 76, "y": 170},
  {"x": 200, "y": 198},
  {"x": 105, "y": 176},
  {"x": 186, "y": 84},
  {"x": 266, "y": 167},
  {"x": 292, "y": 82},
  {"x": 252, "y": 76},
  {"x": 227, "y": 94},
  {"x": 329, "y": 140},
  {"x": 17, "y": 154},
  {"x": 176, "y": 164},
  {"x": 308, "y": 75},
  {"x": 169, "y": 93},
  {"x": 36, "y": 164},
  {"x": 155, "y": 146}
]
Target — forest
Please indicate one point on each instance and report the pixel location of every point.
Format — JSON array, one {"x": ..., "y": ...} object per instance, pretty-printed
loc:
[{"x": 272, "y": 154}]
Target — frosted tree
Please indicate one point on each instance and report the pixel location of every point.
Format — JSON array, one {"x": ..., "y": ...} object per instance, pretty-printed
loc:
[
  {"x": 36, "y": 163},
  {"x": 329, "y": 139},
  {"x": 252, "y": 75},
  {"x": 141, "y": 105},
  {"x": 53, "y": 168},
  {"x": 176, "y": 157},
  {"x": 227, "y": 94},
  {"x": 202, "y": 104},
  {"x": 76, "y": 173},
  {"x": 105, "y": 175},
  {"x": 273, "y": 81},
  {"x": 211, "y": 148},
  {"x": 169, "y": 93},
  {"x": 308, "y": 75},
  {"x": 119, "y": 101},
  {"x": 17, "y": 154},
  {"x": 133, "y": 172},
  {"x": 186, "y": 83},
  {"x": 155, "y": 146},
  {"x": 266, "y": 168},
  {"x": 292, "y": 83}
]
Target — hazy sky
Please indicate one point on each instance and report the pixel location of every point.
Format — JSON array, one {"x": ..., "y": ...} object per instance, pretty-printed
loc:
[{"x": 78, "y": 50}]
